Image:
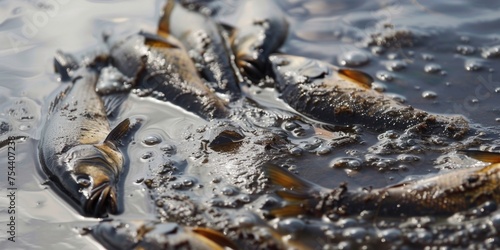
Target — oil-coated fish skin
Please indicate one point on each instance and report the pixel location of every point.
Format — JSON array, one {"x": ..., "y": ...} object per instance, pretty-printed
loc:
[
  {"x": 442, "y": 194},
  {"x": 78, "y": 149},
  {"x": 204, "y": 39},
  {"x": 314, "y": 89},
  {"x": 164, "y": 71}
]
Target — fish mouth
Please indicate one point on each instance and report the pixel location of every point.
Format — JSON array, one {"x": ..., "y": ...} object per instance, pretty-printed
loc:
[{"x": 102, "y": 200}]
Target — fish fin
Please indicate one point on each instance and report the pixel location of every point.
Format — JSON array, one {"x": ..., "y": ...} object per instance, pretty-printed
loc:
[
  {"x": 215, "y": 236},
  {"x": 164, "y": 22},
  {"x": 64, "y": 63},
  {"x": 288, "y": 211},
  {"x": 485, "y": 156},
  {"x": 363, "y": 79},
  {"x": 118, "y": 132},
  {"x": 286, "y": 179},
  {"x": 113, "y": 101},
  {"x": 292, "y": 196},
  {"x": 159, "y": 41}
]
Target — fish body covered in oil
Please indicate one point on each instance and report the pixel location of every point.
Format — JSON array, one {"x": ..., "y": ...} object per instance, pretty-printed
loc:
[
  {"x": 260, "y": 30},
  {"x": 206, "y": 43},
  {"x": 321, "y": 91},
  {"x": 161, "y": 68},
  {"x": 142, "y": 234},
  {"x": 442, "y": 194},
  {"x": 78, "y": 150}
]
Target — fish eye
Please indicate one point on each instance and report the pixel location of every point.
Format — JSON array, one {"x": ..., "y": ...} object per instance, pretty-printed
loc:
[{"x": 84, "y": 181}]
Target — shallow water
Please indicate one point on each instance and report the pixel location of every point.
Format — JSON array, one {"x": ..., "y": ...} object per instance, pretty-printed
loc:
[{"x": 449, "y": 65}]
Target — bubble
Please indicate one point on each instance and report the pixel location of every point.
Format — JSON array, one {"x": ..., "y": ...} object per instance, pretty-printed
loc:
[
  {"x": 357, "y": 234},
  {"x": 396, "y": 65},
  {"x": 491, "y": 52},
  {"x": 397, "y": 97},
  {"x": 323, "y": 150},
  {"x": 344, "y": 245},
  {"x": 384, "y": 76},
  {"x": 495, "y": 221},
  {"x": 429, "y": 94},
  {"x": 432, "y": 68},
  {"x": 347, "y": 222},
  {"x": 147, "y": 156},
  {"x": 391, "y": 235},
  {"x": 377, "y": 50},
  {"x": 188, "y": 181},
  {"x": 245, "y": 221},
  {"x": 427, "y": 57},
  {"x": 296, "y": 151},
  {"x": 291, "y": 225},
  {"x": 216, "y": 180},
  {"x": 465, "y": 49},
  {"x": 350, "y": 163},
  {"x": 354, "y": 58},
  {"x": 379, "y": 87},
  {"x": 290, "y": 125},
  {"x": 168, "y": 149},
  {"x": 151, "y": 140},
  {"x": 229, "y": 191},
  {"x": 245, "y": 198},
  {"x": 473, "y": 65},
  {"x": 24, "y": 127},
  {"x": 408, "y": 158}
]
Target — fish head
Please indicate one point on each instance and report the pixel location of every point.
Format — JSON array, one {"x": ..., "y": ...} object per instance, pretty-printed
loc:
[
  {"x": 91, "y": 178},
  {"x": 250, "y": 59}
]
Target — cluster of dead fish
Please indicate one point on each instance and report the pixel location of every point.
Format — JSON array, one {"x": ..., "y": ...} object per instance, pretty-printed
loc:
[{"x": 202, "y": 66}]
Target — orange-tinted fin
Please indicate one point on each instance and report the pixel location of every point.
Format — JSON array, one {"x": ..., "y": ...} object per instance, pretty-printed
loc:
[
  {"x": 164, "y": 22},
  {"x": 485, "y": 156},
  {"x": 286, "y": 179},
  {"x": 292, "y": 196},
  {"x": 288, "y": 211},
  {"x": 156, "y": 41},
  {"x": 215, "y": 236},
  {"x": 359, "y": 77}
]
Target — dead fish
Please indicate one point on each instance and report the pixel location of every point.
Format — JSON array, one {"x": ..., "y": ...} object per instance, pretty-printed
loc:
[
  {"x": 442, "y": 194},
  {"x": 206, "y": 43},
  {"x": 161, "y": 68},
  {"x": 143, "y": 234},
  {"x": 78, "y": 150},
  {"x": 261, "y": 29},
  {"x": 321, "y": 91}
]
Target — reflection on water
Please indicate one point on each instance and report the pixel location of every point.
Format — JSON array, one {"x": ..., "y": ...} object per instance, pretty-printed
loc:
[{"x": 439, "y": 57}]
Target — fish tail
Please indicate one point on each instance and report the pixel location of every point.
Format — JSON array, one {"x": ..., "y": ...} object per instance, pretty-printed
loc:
[
  {"x": 491, "y": 157},
  {"x": 302, "y": 196},
  {"x": 284, "y": 178},
  {"x": 214, "y": 238}
]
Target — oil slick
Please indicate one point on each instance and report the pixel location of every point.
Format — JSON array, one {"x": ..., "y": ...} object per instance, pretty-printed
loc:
[
  {"x": 321, "y": 91},
  {"x": 442, "y": 194},
  {"x": 78, "y": 150}
]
